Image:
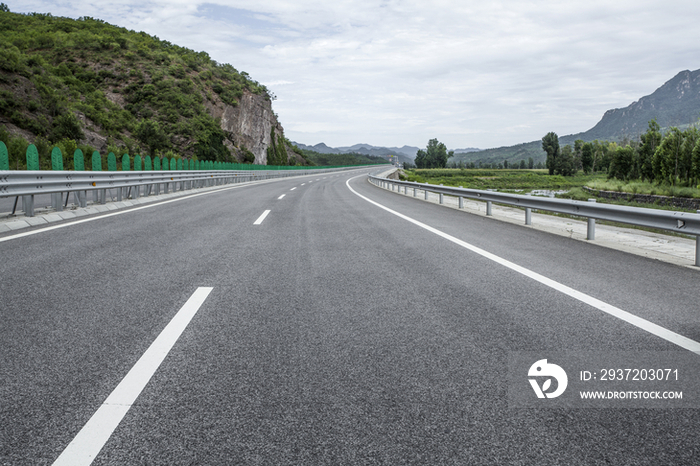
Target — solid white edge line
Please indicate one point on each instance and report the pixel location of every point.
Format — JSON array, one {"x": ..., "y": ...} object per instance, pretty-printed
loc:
[
  {"x": 281, "y": 196},
  {"x": 93, "y": 436},
  {"x": 654, "y": 329},
  {"x": 261, "y": 218}
]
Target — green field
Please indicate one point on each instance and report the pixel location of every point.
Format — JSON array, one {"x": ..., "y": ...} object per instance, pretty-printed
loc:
[
  {"x": 502, "y": 180},
  {"x": 525, "y": 181}
]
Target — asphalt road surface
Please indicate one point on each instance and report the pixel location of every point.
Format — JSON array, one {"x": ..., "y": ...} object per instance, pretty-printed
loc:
[{"x": 329, "y": 331}]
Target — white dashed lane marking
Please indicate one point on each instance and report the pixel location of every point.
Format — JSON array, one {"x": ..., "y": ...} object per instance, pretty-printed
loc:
[{"x": 261, "y": 218}]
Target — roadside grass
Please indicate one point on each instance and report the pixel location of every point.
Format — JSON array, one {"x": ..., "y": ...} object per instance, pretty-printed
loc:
[
  {"x": 502, "y": 180},
  {"x": 644, "y": 187}
]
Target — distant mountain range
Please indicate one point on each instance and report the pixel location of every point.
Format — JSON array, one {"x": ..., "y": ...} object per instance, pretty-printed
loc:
[
  {"x": 676, "y": 103},
  {"x": 404, "y": 154}
]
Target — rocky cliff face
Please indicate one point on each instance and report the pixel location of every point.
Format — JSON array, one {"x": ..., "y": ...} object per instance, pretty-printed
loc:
[{"x": 249, "y": 125}]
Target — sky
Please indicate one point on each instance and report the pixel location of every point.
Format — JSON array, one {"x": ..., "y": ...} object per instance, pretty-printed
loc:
[{"x": 393, "y": 73}]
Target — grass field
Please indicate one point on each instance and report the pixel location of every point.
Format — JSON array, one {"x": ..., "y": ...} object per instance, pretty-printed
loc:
[
  {"x": 502, "y": 180},
  {"x": 525, "y": 181}
]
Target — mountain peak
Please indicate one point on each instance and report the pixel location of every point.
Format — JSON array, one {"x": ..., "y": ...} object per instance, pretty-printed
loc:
[{"x": 675, "y": 103}]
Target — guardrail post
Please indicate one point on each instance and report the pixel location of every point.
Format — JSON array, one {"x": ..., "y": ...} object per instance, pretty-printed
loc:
[
  {"x": 426, "y": 194},
  {"x": 528, "y": 216},
  {"x": 441, "y": 198},
  {"x": 461, "y": 200},
  {"x": 32, "y": 164},
  {"x": 415, "y": 192},
  {"x": 591, "y": 226},
  {"x": 489, "y": 209}
]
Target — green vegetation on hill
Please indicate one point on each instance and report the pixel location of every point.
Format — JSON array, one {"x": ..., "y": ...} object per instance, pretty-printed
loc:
[
  {"x": 510, "y": 154},
  {"x": 350, "y": 158},
  {"x": 61, "y": 78}
]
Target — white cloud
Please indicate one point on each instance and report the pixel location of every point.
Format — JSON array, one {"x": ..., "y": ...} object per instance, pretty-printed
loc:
[{"x": 470, "y": 73}]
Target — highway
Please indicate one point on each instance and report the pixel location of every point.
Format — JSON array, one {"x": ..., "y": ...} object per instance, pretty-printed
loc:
[{"x": 328, "y": 331}]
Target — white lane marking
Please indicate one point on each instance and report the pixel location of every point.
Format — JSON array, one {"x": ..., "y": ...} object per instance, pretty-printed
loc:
[
  {"x": 281, "y": 196},
  {"x": 92, "y": 437},
  {"x": 261, "y": 218},
  {"x": 303, "y": 184},
  {"x": 654, "y": 329},
  {"x": 293, "y": 188}
]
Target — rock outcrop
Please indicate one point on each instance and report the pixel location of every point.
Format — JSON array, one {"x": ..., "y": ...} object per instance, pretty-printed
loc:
[{"x": 249, "y": 125}]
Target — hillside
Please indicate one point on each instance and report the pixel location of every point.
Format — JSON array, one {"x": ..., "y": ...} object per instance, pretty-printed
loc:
[
  {"x": 345, "y": 158},
  {"x": 403, "y": 154},
  {"x": 101, "y": 87},
  {"x": 676, "y": 103}
]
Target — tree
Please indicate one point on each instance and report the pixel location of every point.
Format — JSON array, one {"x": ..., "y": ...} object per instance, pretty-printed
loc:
[
  {"x": 696, "y": 162},
  {"x": 665, "y": 161},
  {"x": 587, "y": 157},
  {"x": 685, "y": 163},
  {"x": 66, "y": 126},
  {"x": 530, "y": 163},
  {"x": 421, "y": 159},
  {"x": 650, "y": 142},
  {"x": 622, "y": 163},
  {"x": 150, "y": 133},
  {"x": 435, "y": 155},
  {"x": 565, "y": 163},
  {"x": 550, "y": 144}
]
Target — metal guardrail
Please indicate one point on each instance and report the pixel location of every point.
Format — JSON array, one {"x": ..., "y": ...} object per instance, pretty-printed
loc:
[
  {"x": 679, "y": 222},
  {"x": 28, "y": 183}
]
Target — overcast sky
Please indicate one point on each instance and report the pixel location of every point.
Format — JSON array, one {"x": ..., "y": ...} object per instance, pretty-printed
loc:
[{"x": 392, "y": 73}]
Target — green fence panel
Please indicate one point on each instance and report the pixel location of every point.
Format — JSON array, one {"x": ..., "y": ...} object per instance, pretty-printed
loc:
[
  {"x": 96, "y": 162},
  {"x": 173, "y": 164},
  {"x": 126, "y": 165},
  {"x": 56, "y": 159},
  {"x": 78, "y": 161},
  {"x": 111, "y": 162},
  {"x": 32, "y": 158},
  {"x": 137, "y": 163},
  {"x": 179, "y": 164},
  {"x": 148, "y": 165},
  {"x": 156, "y": 163},
  {"x": 4, "y": 157}
]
